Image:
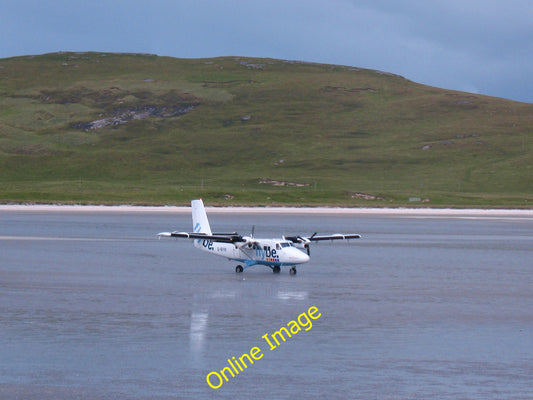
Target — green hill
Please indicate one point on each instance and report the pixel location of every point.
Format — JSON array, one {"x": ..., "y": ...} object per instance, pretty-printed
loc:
[{"x": 142, "y": 129}]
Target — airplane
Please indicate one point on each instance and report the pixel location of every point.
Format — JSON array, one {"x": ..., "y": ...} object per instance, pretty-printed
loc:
[{"x": 247, "y": 250}]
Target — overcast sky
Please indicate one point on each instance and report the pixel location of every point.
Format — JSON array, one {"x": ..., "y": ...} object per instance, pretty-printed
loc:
[{"x": 480, "y": 46}]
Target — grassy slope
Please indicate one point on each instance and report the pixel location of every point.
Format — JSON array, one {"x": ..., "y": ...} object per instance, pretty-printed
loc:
[{"x": 339, "y": 129}]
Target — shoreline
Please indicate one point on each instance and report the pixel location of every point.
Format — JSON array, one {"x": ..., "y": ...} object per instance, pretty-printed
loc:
[{"x": 272, "y": 210}]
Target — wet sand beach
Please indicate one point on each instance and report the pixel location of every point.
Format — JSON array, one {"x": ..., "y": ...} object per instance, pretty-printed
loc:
[{"x": 428, "y": 304}]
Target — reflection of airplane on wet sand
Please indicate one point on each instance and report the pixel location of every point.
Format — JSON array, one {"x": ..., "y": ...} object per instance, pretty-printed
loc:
[{"x": 274, "y": 253}]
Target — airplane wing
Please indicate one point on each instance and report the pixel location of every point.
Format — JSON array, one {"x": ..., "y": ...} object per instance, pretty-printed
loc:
[
  {"x": 303, "y": 242},
  {"x": 223, "y": 237},
  {"x": 338, "y": 236},
  {"x": 315, "y": 238}
]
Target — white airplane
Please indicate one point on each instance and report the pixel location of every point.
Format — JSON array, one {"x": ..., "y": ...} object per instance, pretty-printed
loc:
[{"x": 273, "y": 253}]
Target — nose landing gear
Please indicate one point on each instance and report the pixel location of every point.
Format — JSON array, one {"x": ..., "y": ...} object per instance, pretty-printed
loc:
[{"x": 292, "y": 271}]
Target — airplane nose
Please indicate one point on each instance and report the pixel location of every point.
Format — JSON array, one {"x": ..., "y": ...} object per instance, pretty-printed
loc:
[
  {"x": 304, "y": 257},
  {"x": 298, "y": 256}
]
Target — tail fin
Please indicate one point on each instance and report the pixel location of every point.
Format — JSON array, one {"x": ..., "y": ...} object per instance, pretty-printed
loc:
[{"x": 200, "y": 224}]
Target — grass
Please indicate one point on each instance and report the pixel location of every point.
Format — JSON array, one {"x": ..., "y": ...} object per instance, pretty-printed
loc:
[{"x": 340, "y": 130}]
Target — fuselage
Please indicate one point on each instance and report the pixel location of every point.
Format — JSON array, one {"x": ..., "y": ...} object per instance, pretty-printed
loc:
[{"x": 256, "y": 251}]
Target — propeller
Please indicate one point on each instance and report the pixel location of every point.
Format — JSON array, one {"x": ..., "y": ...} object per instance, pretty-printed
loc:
[
  {"x": 247, "y": 242},
  {"x": 301, "y": 242},
  {"x": 307, "y": 247}
]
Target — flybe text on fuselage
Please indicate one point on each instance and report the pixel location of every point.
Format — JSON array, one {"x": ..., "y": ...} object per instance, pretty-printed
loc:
[{"x": 267, "y": 254}]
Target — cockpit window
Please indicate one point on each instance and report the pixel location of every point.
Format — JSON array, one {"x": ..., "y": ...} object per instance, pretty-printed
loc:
[{"x": 286, "y": 244}]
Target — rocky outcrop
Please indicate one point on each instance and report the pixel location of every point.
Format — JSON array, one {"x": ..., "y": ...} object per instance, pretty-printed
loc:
[
  {"x": 273, "y": 182},
  {"x": 124, "y": 116}
]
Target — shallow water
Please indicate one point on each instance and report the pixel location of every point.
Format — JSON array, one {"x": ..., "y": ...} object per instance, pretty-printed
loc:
[{"x": 93, "y": 306}]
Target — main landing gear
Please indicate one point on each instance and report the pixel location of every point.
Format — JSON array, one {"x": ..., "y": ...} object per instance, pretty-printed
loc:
[{"x": 276, "y": 269}]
